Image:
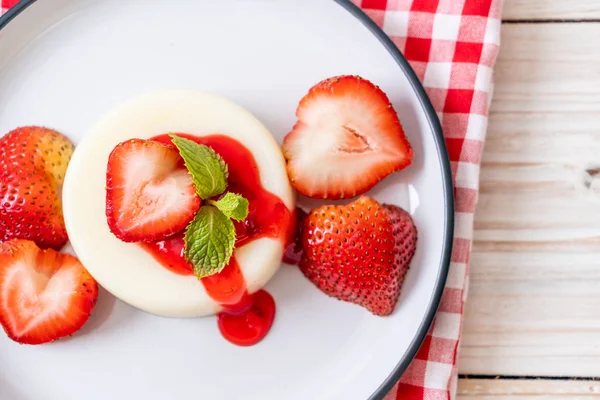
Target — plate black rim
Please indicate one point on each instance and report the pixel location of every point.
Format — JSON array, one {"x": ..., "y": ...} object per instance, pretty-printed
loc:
[{"x": 436, "y": 128}]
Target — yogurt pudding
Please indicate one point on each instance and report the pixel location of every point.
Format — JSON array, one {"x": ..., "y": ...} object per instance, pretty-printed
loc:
[
  {"x": 181, "y": 204},
  {"x": 155, "y": 277}
]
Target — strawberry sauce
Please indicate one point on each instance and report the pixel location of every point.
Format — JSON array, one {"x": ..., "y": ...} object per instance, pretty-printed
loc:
[
  {"x": 294, "y": 249},
  {"x": 169, "y": 253},
  {"x": 246, "y": 318}
]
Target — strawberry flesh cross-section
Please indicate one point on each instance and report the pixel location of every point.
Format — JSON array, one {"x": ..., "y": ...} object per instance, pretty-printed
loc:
[
  {"x": 149, "y": 193},
  {"x": 347, "y": 138}
]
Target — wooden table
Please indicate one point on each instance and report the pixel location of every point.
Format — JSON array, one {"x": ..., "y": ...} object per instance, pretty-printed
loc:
[{"x": 532, "y": 324}]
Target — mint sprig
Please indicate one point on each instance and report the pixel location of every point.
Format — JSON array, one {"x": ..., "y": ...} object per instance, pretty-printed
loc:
[
  {"x": 209, "y": 239},
  {"x": 208, "y": 170},
  {"x": 233, "y": 205}
]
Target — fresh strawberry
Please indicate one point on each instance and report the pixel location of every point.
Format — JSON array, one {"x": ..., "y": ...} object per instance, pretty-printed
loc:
[
  {"x": 37, "y": 148},
  {"x": 30, "y": 209},
  {"x": 149, "y": 193},
  {"x": 359, "y": 252},
  {"x": 44, "y": 295},
  {"x": 33, "y": 162},
  {"x": 347, "y": 138}
]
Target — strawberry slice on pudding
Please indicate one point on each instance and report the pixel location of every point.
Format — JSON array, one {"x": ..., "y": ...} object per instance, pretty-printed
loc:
[{"x": 149, "y": 195}]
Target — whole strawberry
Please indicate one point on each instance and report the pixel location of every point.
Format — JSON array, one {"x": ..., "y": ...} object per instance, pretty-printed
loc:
[
  {"x": 33, "y": 162},
  {"x": 360, "y": 252}
]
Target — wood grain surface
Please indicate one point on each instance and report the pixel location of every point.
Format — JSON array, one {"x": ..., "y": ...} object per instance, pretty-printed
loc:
[
  {"x": 534, "y": 300},
  {"x": 551, "y": 9},
  {"x": 527, "y": 390}
]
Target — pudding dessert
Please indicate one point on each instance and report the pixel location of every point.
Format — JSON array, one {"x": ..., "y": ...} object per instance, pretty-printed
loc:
[
  {"x": 154, "y": 275},
  {"x": 182, "y": 204}
]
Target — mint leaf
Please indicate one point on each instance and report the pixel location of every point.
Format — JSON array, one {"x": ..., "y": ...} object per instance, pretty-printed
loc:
[
  {"x": 233, "y": 205},
  {"x": 209, "y": 241},
  {"x": 209, "y": 171}
]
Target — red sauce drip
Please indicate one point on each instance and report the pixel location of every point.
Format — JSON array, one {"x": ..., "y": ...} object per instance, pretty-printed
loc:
[
  {"x": 170, "y": 254},
  {"x": 228, "y": 287},
  {"x": 250, "y": 325},
  {"x": 294, "y": 251},
  {"x": 246, "y": 318}
]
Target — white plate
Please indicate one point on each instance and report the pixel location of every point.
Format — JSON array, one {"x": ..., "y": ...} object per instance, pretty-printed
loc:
[{"x": 64, "y": 63}]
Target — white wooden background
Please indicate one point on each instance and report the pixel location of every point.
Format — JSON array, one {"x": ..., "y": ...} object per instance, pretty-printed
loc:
[{"x": 532, "y": 323}]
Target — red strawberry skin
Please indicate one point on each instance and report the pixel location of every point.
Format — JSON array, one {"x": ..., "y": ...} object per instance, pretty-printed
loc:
[
  {"x": 149, "y": 193},
  {"x": 37, "y": 148},
  {"x": 405, "y": 234},
  {"x": 44, "y": 295},
  {"x": 33, "y": 161},
  {"x": 31, "y": 209},
  {"x": 359, "y": 253},
  {"x": 347, "y": 138}
]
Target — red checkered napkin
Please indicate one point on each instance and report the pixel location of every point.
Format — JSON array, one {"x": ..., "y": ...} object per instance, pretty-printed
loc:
[
  {"x": 452, "y": 46},
  {"x": 6, "y": 4}
]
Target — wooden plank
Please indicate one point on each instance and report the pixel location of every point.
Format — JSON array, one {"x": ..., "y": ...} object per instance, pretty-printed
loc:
[
  {"x": 496, "y": 389},
  {"x": 551, "y": 9},
  {"x": 534, "y": 301}
]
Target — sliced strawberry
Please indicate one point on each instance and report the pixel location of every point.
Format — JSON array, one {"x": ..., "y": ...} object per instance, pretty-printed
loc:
[
  {"x": 347, "y": 138},
  {"x": 44, "y": 295},
  {"x": 149, "y": 193},
  {"x": 359, "y": 253}
]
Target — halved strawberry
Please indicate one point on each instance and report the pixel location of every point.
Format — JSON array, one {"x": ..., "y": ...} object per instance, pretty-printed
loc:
[
  {"x": 44, "y": 295},
  {"x": 149, "y": 193},
  {"x": 33, "y": 162},
  {"x": 347, "y": 138},
  {"x": 359, "y": 253},
  {"x": 37, "y": 148},
  {"x": 30, "y": 209}
]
